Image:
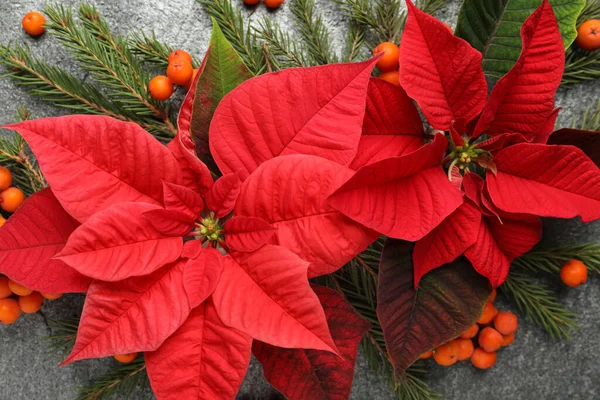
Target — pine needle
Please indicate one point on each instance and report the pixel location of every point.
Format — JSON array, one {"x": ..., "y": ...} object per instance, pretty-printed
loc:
[
  {"x": 551, "y": 260},
  {"x": 285, "y": 52},
  {"x": 314, "y": 33},
  {"x": 122, "y": 380},
  {"x": 64, "y": 333},
  {"x": 582, "y": 65},
  {"x": 590, "y": 120}
]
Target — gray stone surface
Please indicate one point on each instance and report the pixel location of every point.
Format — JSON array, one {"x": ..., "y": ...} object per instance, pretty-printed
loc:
[{"x": 534, "y": 367}]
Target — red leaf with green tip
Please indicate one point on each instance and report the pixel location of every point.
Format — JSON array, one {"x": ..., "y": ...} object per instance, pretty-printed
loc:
[
  {"x": 523, "y": 100},
  {"x": 315, "y": 374},
  {"x": 119, "y": 242},
  {"x": 401, "y": 197},
  {"x": 284, "y": 310},
  {"x": 440, "y": 71},
  {"x": 548, "y": 181},
  {"x": 586, "y": 141},
  {"x": 392, "y": 125},
  {"x": 203, "y": 359},
  {"x": 448, "y": 301},
  {"x": 290, "y": 193},
  {"x": 136, "y": 314},
  {"x": 92, "y": 162},
  {"x": 31, "y": 238},
  {"x": 316, "y": 111},
  {"x": 247, "y": 233}
]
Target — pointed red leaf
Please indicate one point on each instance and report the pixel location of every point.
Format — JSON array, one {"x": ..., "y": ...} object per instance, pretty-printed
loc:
[
  {"x": 222, "y": 196},
  {"x": 586, "y": 141},
  {"x": 498, "y": 243},
  {"x": 290, "y": 193},
  {"x": 201, "y": 274},
  {"x": 317, "y": 111},
  {"x": 440, "y": 71},
  {"x": 92, "y": 162},
  {"x": 501, "y": 141},
  {"x": 448, "y": 241},
  {"x": 523, "y": 100},
  {"x": 119, "y": 242},
  {"x": 448, "y": 301},
  {"x": 392, "y": 125},
  {"x": 284, "y": 310},
  {"x": 247, "y": 233},
  {"x": 315, "y": 374},
  {"x": 31, "y": 238},
  {"x": 401, "y": 197},
  {"x": 457, "y": 128},
  {"x": 192, "y": 249},
  {"x": 549, "y": 181},
  {"x": 203, "y": 359},
  {"x": 136, "y": 314},
  {"x": 543, "y": 135},
  {"x": 169, "y": 222},
  {"x": 180, "y": 198}
]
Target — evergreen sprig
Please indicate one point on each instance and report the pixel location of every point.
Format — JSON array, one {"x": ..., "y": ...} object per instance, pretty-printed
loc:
[
  {"x": 150, "y": 49},
  {"x": 590, "y": 120},
  {"x": 551, "y": 260},
  {"x": 314, "y": 32},
  {"x": 284, "y": 51},
  {"x": 582, "y": 65},
  {"x": 64, "y": 333},
  {"x": 122, "y": 380}
]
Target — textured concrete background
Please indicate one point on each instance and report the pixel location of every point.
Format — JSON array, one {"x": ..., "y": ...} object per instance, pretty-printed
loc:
[{"x": 534, "y": 367}]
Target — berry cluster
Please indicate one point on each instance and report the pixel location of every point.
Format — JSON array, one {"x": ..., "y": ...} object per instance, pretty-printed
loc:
[
  {"x": 494, "y": 330},
  {"x": 179, "y": 72},
  {"x": 11, "y": 198},
  {"x": 15, "y": 298},
  {"x": 269, "y": 3}
]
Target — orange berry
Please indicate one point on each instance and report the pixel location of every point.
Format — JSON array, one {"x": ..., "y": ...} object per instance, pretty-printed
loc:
[
  {"x": 446, "y": 354},
  {"x": 5, "y": 178},
  {"x": 126, "y": 358},
  {"x": 493, "y": 296},
  {"x": 180, "y": 55},
  {"x": 508, "y": 339},
  {"x": 482, "y": 359},
  {"x": 506, "y": 323},
  {"x": 160, "y": 87},
  {"x": 4, "y": 288},
  {"x": 251, "y": 2},
  {"x": 573, "y": 273},
  {"x": 189, "y": 84},
  {"x": 588, "y": 35},
  {"x": 19, "y": 289},
  {"x": 34, "y": 23},
  {"x": 31, "y": 303},
  {"x": 50, "y": 296},
  {"x": 465, "y": 348},
  {"x": 9, "y": 311},
  {"x": 180, "y": 71},
  {"x": 490, "y": 339},
  {"x": 11, "y": 199},
  {"x": 390, "y": 59},
  {"x": 392, "y": 77},
  {"x": 489, "y": 312},
  {"x": 273, "y": 3},
  {"x": 426, "y": 355},
  {"x": 471, "y": 332},
  {"x": 2, "y": 221}
]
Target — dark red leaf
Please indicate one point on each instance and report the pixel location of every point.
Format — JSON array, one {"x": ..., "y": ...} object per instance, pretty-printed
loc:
[
  {"x": 586, "y": 141},
  {"x": 448, "y": 301},
  {"x": 247, "y": 233}
]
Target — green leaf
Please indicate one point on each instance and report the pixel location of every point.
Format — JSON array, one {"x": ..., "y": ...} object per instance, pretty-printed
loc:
[
  {"x": 222, "y": 71},
  {"x": 447, "y": 302},
  {"x": 493, "y": 27}
]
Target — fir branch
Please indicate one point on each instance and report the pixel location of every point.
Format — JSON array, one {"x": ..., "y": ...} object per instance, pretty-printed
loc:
[
  {"x": 590, "y": 120},
  {"x": 64, "y": 333},
  {"x": 430, "y": 6},
  {"x": 110, "y": 63},
  {"x": 231, "y": 22},
  {"x": 538, "y": 301},
  {"x": 551, "y": 260},
  {"x": 355, "y": 40},
  {"x": 122, "y": 380},
  {"x": 283, "y": 50},
  {"x": 591, "y": 10},
  {"x": 314, "y": 32},
  {"x": 150, "y": 50}
]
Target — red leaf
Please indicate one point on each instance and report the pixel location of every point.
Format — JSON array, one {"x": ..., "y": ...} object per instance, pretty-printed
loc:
[
  {"x": 284, "y": 310},
  {"x": 473, "y": 186},
  {"x": 169, "y": 222},
  {"x": 401, "y": 197},
  {"x": 317, "y": 111},
  {"x": 119, "y": 242},
  {"x": 440, "y": 71},
  {"x": 31, "y": 238},
  {"x": 290, "y": 193},
  {"x": 499, "y": 142},
  {"x": 457, "y": 128},
  {"x": 92, "y": 162},
  {"x": 181, "y": 199},
  {"x": 523, "y": 100},
  {"x": 448, "y": 241},
  {"x": 392, "y": 125},
  {"x": 586, "y": 141},
  {"x": 203, "y": 359},
  {"x": 549, "y": 181},
  {"x": 498, "y": 243},
  {"x": 315, "y": 374},
  {"x": 247, "y": 233},
  {"x": 222, "y": 196},
  {"x": 201, "y": 274},
  {"x": 543, "y": 135},
  {"x": 136, "y": 314},
  {"x": 448, "y": 301}
]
